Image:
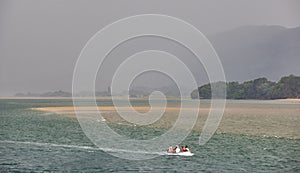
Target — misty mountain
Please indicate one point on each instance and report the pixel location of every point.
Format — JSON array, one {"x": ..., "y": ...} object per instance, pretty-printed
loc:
[
  {"x": 46, "y": 94},
  {"x": 258, "y": 51},
  {"x": 253, "y": 51}
]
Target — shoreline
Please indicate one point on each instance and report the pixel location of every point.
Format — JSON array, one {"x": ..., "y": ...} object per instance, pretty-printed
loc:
[
  {"x": 248, "y": 119},
  {"x": 111, "y": 108},
  {"x": 288, "y": 100},
  {"x": 87, "y": 98}
]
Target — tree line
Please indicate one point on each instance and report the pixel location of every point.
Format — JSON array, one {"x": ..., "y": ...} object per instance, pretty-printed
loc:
[{"x": 261, "y": 88}]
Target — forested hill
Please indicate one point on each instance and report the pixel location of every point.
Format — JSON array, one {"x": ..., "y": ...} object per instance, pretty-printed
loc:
[{"x": 261, "y": 88}]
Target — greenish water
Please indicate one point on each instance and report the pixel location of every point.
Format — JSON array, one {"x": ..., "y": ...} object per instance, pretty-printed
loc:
[{"x": 34, "y": 141}]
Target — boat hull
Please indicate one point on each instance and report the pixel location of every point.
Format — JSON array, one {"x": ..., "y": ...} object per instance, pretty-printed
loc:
[{"x": 181, "y": 154}]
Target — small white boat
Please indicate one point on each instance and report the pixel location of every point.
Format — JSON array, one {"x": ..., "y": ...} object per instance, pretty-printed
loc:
[{"x": 187, "y": 153}]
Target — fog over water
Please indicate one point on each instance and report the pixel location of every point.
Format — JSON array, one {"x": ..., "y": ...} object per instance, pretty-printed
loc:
[{"x": 40, "y": 41}]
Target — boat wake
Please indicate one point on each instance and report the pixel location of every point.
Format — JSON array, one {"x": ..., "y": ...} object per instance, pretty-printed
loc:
[{"x": 89, "y": 148}]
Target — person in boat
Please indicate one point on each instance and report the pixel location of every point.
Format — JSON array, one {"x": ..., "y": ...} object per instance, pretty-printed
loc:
[
  {"x": 185, "y": 149},
  {"x": 177, "y": 149},
  {"x": 170, "y": 149}
]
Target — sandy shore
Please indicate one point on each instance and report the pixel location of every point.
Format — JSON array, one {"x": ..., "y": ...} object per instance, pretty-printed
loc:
[
  {"x": 111, "y": 108},
  {"x": 54, "y": 98},
  {"x": 98, "y": 98},
  {"x": 289, "y": 100},
  {"x": 276, "y": 120}
]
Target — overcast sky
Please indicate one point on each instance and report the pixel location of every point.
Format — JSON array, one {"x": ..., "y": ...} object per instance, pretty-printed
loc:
[{"x": 40, "y": 40}]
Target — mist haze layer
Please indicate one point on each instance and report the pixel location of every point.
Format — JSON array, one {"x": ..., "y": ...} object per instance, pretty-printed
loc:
[{"x": 41, "y": 41}]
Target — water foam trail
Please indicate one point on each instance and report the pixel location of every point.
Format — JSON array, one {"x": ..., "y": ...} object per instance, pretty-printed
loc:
[
  {"x": 82, "y": 147},
  {"x": 51, "y": 145}
]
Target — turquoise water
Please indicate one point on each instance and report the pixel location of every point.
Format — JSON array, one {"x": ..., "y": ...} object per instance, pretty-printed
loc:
[{"x": 34, "y": 141}]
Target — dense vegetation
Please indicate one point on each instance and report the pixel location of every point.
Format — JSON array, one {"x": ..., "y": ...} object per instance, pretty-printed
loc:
[{"x": 261, "y": 88}]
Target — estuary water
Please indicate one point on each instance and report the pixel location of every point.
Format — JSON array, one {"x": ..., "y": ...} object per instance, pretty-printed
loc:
[{"x": 37, "y": 141}]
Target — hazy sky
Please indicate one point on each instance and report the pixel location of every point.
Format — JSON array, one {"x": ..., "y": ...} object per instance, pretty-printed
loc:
[{"x": 40, "y": 40}]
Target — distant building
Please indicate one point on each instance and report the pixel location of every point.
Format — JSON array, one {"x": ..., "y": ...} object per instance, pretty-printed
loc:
[{"x": 109, "y": 91}]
